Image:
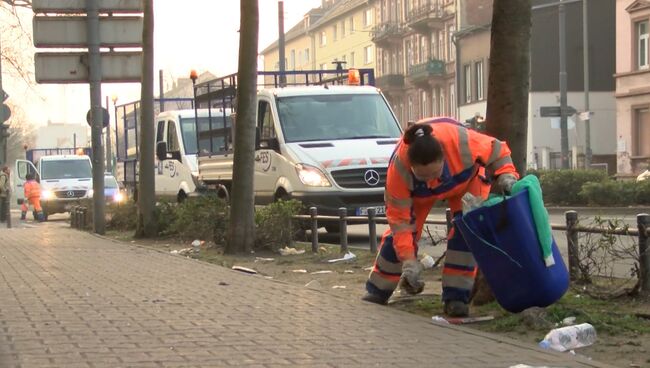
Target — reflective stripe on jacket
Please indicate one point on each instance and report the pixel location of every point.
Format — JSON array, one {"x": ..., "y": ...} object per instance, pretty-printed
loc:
[
  {"x": 32, "y": 189},
  {"x": 467, "y": 153}
]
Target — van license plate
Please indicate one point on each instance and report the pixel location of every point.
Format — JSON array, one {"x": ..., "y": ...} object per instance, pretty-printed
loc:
[{"x": 363, "y": 211}]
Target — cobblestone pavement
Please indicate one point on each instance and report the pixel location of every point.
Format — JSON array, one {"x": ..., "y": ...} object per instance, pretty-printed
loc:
[{"x": 71, "y": 299}]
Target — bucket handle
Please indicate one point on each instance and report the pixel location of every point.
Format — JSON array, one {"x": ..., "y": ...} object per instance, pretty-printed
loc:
[{"x": 488, "y": 243}]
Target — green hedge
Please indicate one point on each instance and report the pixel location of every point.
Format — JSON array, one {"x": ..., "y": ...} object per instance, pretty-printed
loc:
[
  {"x": 616, "y": 193},
  {"x": 562, "y": 187}
]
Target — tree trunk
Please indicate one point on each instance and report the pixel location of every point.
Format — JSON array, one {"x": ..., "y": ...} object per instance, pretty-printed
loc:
[
  {"x": 508, "y": 85},
  {"x": 241, "y": 234},
  {"x": 146, "y": 226}
]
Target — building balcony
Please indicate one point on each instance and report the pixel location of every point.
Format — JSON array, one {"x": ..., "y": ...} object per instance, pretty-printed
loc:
[
  {"x": 390, "y": 82},
  {"x": 427, "y": 17},
  {"x": 420, "y": 74},
  {"x": 385, "y": 34}
]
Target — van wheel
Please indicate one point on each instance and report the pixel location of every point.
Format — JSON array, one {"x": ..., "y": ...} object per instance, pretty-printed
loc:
[
  {"x": 181, "y": 197},
  {"x": 223, "y": 194}
]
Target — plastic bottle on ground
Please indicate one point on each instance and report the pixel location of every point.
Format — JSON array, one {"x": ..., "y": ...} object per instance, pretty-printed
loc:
[{"x": 570, "y": 337}]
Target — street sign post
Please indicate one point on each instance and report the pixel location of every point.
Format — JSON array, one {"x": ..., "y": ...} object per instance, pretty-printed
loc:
[
  {"x": 79, "y": 6},
  {"x": 72, "y": 67},
  {"x": 70, "y": 32},
  {"x": 106, "y": 117}
]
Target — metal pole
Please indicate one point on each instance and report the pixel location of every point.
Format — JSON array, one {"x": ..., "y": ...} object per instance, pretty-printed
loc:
[
  {"x": 5, "y": 144},
  {"x": 161, "y": 89},
  {"x": 585, "y": 60},
  {"x": 564, "y": 136},
  {"x": 281, "y": 55},
  {"x": 313, "y": 212},
  {"x": 372, "y": 229},
  {"x": 108, "y": 139},
  {"x": 643, "y": 222},
  {"x": 572, "y": 241},
  {"x": 95, "y": 76},
  {"x": 343, "y": 229}
]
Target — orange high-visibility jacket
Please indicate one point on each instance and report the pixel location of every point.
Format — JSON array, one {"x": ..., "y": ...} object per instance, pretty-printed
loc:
[
  {"x": 32, "y": 189},
  {"x": 467, "y": 154}
]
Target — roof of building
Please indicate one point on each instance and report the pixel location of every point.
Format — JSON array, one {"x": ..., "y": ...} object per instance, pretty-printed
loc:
[
  {"x": 297, "y": 30},
  {"x": 338, "y": 9}
]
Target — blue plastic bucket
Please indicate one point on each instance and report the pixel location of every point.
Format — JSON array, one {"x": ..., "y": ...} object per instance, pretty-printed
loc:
[{"x": 503, "y": 239}]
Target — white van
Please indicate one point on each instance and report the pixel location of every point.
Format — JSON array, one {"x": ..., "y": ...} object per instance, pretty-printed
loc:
[{"x": 65, "y": 180}]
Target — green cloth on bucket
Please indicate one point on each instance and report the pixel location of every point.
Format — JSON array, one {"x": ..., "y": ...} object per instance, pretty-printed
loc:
[{"x": 540, "y": 215}]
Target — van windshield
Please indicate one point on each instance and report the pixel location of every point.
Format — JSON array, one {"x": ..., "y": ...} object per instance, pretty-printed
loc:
[
  {"x": 66, "y": 169},
  {"x": 210, "y": 140},
  {"x": 110, "y": 182},
  {"x": 335, "y": 117}
]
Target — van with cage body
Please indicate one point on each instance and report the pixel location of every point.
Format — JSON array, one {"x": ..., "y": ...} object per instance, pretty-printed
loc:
[{"x": 319, "y": 139}]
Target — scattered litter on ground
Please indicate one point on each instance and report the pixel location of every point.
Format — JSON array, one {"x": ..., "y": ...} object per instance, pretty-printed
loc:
[
  {"x": 338, "y": 287},
  {"x": 198, "y": 243},
  {"x": 320, "y": 272},
  {"x": 368, "y": 268},
  {"x": 348, "y": 256},
  {"x": 286, "y": 251},
  {"x": 568, "y": 321},
  {"x": 348, "y": 271},
  {"x": 322, "y": 249},
  {"x": 268, "y": 277},
  {"x": 299, "y": 271},
  {"x": 223, "y": 283},
  {"x": 182, "y": 252},
  {"x": 313, "y": 284},
  {"x": 244, "y": 269},
  {"x": 460, "y": 320},
  {"x": 262, "y": 259}
]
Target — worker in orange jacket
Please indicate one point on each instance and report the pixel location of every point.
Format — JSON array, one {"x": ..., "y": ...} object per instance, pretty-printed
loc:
[
  {"x": 33, "y": 197},
  {"x": 436, "y": 159}
]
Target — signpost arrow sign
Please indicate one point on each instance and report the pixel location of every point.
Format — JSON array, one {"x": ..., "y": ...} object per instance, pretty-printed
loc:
[
  {"x": 72, "y": 67},
  {"x": 555, "y": 111},
  {"x": 79, "y": 6},
  {"x": 70, "y": 32}
]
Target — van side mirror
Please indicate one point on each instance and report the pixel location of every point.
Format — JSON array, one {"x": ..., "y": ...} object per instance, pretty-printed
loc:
[
  {"x": 271, "y": 144},
  {"x": 161, "y": 150}
]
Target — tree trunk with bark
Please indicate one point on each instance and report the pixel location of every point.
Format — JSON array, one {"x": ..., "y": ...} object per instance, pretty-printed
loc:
[
  {"x": 241, "y": 234},
  {"x": 146, "y": 225}
]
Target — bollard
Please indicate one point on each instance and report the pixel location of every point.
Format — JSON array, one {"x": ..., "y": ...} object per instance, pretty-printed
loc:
[
  {"x": 449, "y": 217},
  {"x": 572, "y": 242},
  {"x": 643, "y": 222},
  {"x": 73, "y": 217},
  {"x": 372, "y": 229},
  {"x": 82, "y": 218},
  {"x": 343, "y": 229},
  {"x": 313, "y": 212}
]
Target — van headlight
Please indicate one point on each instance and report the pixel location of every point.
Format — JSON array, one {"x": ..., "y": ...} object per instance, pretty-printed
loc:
[
  {"x": 90, "y": 193},
  {"x": 47, "y": 194},
  {"x": 312, "y": 176},
  {"x": 118, "y": 197}
]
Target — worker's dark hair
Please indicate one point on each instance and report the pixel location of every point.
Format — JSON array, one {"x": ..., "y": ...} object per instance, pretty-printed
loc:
[
  {"x": 29, "y": 176},
  {"x": 423, "y": 147}
]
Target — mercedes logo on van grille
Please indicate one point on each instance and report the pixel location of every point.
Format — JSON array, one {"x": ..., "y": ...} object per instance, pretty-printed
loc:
[
  {"x": 371, "y": 177},
  {"x": 70, "y": 193}
]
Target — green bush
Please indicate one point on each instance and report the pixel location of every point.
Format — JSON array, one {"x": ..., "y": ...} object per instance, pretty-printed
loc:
[
  {"x": 166, "y": 215},
  {"x": 203, "y": 217},
  {"x": 122, "y": 217},
  {"x": 616, "y": 193},
  {"x": 562, "y": 187},
  {"x": 274, "y": 228}
]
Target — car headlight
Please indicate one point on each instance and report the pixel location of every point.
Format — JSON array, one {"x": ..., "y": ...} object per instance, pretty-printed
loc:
[
  {"x": 90, "y": 193},
  {"x": 312, "y": 176},
  {"x": 47, "y": 194},
  {"x": 118, "y": 197}
]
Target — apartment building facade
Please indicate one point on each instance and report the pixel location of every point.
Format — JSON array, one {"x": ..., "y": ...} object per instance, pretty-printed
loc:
[{"x": 632, "y": 87}]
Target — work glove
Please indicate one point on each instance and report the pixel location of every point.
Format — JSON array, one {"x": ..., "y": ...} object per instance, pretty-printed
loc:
[
  {"x": 410, "y": 280},
  {"x": 504, "y": 183}
]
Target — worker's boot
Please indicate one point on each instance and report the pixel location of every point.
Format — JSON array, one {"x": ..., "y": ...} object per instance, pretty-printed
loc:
[
  {"x": 23, "y": 215},
  {"x": 40, "y": 217},
  {"x": 374, "y": 298},
  {"x": 456, "y": 308}
]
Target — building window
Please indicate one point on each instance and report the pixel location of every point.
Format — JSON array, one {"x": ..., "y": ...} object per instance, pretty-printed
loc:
[
  {"x": 452, "y": 100},
  {"x": 409, "y": 55},
  {"x": 323, "y": 66},
  {"x": 479, "y": 80},
  {"x": 434, "y": 101},
  {"x": 351, "y": 25},
  {"x": 352, "y": 59},
  {"x": 334, "y": 33},
  {"x": 323, "y": 38},
  {"x": 367, "y": 17},
  {"x": 451, "y": 49},
  {"x": 423, "y": 104},
  {"x": 410, "y": 107},
  {"x": 367, "y": 55},
  {"x": 306, "y": 55},
  {"x": 641, "y": 130},
  {"x": 342, "y": 29},
  {"x": 467, "y": 75},
  {"x": 292, "y": 60},
  {"x": 642, "y": 44}
]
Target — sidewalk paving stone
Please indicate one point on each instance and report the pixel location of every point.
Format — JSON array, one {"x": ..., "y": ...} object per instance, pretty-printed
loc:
[{"x": 71, "y": 299}]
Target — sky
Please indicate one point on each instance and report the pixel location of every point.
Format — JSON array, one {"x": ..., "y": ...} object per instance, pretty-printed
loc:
[{"x": 189, "y": 34}]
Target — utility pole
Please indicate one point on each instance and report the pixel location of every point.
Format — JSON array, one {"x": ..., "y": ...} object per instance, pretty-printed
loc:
[
  {"x": 585, "y": 60},
  {"x": 564, "y": 135},
  {"x": 4, "y": 139},
  {"x": 281, "y": 55},
  {"x": 96, "y": 114},
  {"x": 109, "y": 160},
  {"x": 161, "y": 89}
]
